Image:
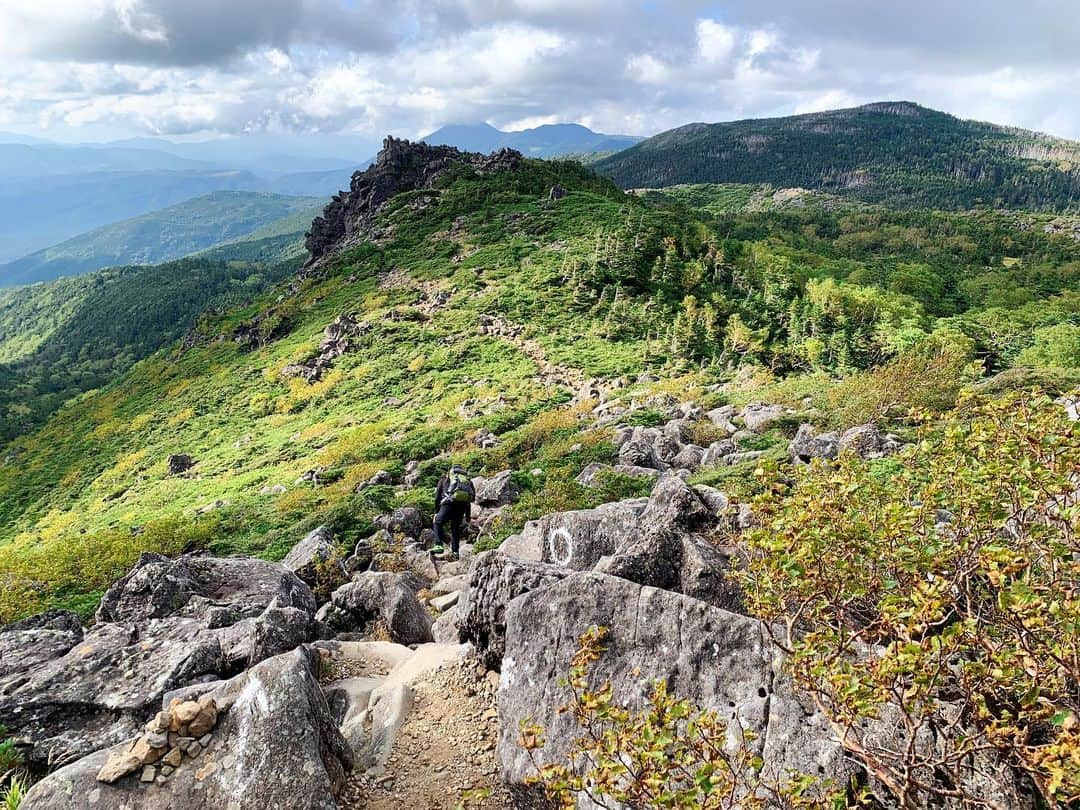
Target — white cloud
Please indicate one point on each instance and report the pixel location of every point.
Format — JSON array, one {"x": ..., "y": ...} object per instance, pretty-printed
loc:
[
  {"x": 715, "y": 41},
  {"x": 119, "y": 67}
]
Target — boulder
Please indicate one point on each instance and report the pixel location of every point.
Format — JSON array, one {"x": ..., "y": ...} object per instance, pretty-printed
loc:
[
  {"x": 384, "y": 596},
  {"x": 640, "y": 453},
  {"x": 164, "y": 625},
  {"x": 689, "y": 458},
  {"x": 196, "y": 586},
  {"x": 808, "y": 444},
  {"x": 578, "y": 539},
  {"x": 668, "y": 552},
  {"x": 589, "y": 476},
  {"x": 716, "y": 452},
  {"x": 275, "y": 745},
  {"x": 406, "y": 521},
  {"x": 867, "y": 441},
  {"x": 759, "y": 416},
  {"x": 680, "y": 430},
  {"x": 716, "y": 659},
  {"x": 31, "y": 642},
  {"x": 494, "y": 580},
  {"x": 310, "y": 554},
  {"x": 445, "y": 629},
  {"x": 499, "y": 490},
  {"x": 179, "y": 463},
  {"x": 721, "y": 418},
  {"x": 524, "y": 546}
]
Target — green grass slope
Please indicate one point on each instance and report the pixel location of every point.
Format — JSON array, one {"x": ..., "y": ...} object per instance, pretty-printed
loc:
[
  {"x": 62, "y": 338},
  {"x": 892, "y": 152},
  {"x": 169, "y": 233},
  {"x": 485, "y": 308}
]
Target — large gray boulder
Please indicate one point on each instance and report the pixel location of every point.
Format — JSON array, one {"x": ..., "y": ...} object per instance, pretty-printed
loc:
[
  {"x": 669, "y": 553},
  {"x": 640, "y": 453},
  {"x": 499, "y": 490},
  {"x": 275, "y": 745},
  {"x": 385, "y": 596},
  {"x": 759, "y": 416},
  {"x": 867, "y": 441},
  {"x": 196, "y": 586},
  {"x": 808, "y": 444},
  {"x": 164, "y": 625},
  {"x": 494, "y": 580},
  {"x": 578, "y": 539},
  {"x": 717, "y": 452},
  {"x": 405, "y": 521},
  {"x": 716, "y": 659},
  {"x": 312, "y": 553}
]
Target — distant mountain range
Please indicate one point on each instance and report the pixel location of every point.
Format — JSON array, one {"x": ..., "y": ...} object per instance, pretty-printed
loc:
[
  {"x": 169, "y": 233},
  {"x": 896, "y": 153},
  {"x": 547, "y": 141},
  {"x": 51, "y": 192}
]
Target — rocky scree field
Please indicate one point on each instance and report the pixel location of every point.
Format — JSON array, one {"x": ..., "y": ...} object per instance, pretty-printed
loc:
[{"x": 714, "y": 479}]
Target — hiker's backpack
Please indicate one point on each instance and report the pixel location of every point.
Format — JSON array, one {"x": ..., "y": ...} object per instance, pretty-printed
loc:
[{"x": 459, "y": 487}]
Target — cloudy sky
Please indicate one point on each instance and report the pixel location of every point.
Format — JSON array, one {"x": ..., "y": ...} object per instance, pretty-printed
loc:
[{"x": 99, "y": 69}]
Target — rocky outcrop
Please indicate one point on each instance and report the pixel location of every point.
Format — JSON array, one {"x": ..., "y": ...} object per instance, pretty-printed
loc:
[
  {"x": 495, "y": 580},
  {"x": 808, "y": 444},
  {"x": 578, "y": 539},
  {"x": 351, "y": 217},
  {"x": 383, "y": 596},
  {"x": 716, "y": 659},
  {"x": 499, "y": 490},
  {"x": 667, "y": 552},
  {"x": 166, "y": 624},
  {"x": 337, "y": 340},
  {"x": 404, "y": 522},
  {"x": 32, "y": 642},
  {"x": 179, "y": 463},
  {"x": 313, "y": 553},
  {"x": 275, "y": 744},
  {"x": 193, "y": 586}
]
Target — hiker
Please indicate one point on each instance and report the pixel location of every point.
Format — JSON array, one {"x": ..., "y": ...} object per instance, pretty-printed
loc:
[{"x": 453, "y": 501}]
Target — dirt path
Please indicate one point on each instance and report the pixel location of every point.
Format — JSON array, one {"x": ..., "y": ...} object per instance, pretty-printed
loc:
[{"x": 444, "y": 756}]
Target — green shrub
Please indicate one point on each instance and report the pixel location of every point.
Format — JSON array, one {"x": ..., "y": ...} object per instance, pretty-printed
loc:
[
  {"x": 669, "y": 755},
  {"x": 973, "y": 623}
]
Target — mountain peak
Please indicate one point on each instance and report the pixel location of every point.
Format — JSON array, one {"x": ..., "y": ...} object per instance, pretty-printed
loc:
[{"x": 401, "y": 165}]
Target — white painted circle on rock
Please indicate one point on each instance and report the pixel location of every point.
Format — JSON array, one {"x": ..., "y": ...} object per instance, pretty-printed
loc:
[{"x": 566, "y": 553}]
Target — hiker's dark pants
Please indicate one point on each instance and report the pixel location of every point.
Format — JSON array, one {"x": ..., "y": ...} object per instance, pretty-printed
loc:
[{"x": 453, "y": 513}]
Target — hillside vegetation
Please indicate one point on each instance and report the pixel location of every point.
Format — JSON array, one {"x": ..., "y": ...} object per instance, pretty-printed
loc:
[
  {"x": 60, "y": 339},
  {"x": 169, "y": 233},
  {"x": 486, "y": 308},
  {"x": 892, "y": 152}
]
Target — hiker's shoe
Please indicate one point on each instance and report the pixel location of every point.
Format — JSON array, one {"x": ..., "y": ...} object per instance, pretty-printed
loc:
[{"x": 437, "y": 550}]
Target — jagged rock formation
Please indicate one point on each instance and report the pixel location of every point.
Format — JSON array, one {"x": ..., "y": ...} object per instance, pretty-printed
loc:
[
  {"x": 167, "y": 623},
  {"x": 400, "y": 166},
  {"x": 275, "y": 745}
]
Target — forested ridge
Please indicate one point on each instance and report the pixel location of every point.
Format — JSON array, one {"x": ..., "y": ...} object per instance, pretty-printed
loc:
[{"x": 896, "y": 153}]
